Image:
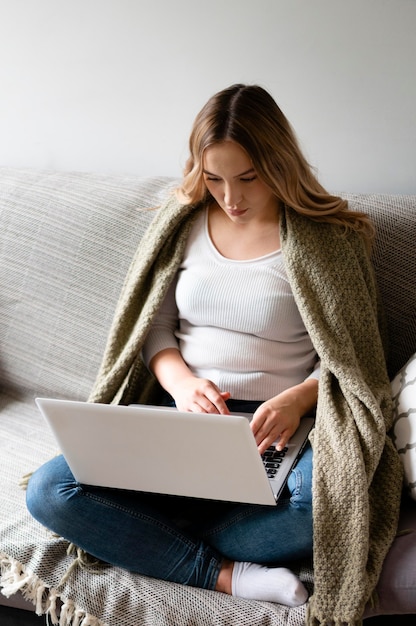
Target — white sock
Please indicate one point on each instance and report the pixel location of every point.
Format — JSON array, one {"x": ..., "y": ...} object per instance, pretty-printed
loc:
[{"x": 270, "y": 584}]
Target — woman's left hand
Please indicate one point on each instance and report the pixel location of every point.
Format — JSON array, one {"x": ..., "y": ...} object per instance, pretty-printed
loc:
[{"x": 278, "y": 419}]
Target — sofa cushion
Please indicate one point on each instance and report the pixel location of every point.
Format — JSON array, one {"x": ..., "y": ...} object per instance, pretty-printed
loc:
[{"x": 396, "y": 589}]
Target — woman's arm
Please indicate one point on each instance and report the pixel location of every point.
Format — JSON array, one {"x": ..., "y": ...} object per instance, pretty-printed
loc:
[
  {"x": 279, "y": 417},
  {"x": 162, "y": 356}
]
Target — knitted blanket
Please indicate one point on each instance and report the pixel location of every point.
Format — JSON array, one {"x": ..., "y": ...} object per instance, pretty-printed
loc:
[{"x": 357, "y": 473}]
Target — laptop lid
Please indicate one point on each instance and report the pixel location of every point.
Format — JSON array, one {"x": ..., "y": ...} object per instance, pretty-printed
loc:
[{"x": 161, "y": 450}]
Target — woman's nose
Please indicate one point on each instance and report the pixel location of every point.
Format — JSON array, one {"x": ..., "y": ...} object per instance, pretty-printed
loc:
[{"x": 232, "y": 195}]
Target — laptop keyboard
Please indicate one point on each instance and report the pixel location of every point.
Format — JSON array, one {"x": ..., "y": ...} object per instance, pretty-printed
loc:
[{"x": 272, "y": 460}]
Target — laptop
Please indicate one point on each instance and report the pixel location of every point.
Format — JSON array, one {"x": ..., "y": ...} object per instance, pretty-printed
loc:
[{"x": 163, "y": 450}]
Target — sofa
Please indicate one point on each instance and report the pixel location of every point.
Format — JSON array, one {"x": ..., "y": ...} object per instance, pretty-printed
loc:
[{"x": 66, "y": 242}]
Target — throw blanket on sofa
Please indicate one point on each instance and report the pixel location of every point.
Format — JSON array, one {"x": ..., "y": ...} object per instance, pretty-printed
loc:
[{"x": 357, "y": 473}]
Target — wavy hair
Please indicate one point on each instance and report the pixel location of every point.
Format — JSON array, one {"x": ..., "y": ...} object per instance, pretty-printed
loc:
[{"x": 249, "y": 116}]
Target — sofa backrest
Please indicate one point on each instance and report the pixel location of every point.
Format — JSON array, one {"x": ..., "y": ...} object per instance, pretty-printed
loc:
[
  {"x": 394, "y": 258},
  {"x": 66, "y": 242}
]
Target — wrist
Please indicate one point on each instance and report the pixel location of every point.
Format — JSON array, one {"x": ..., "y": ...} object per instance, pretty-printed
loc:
[
  {"x": 306, "y": 395},
  {"x": 170, "y": 369}
]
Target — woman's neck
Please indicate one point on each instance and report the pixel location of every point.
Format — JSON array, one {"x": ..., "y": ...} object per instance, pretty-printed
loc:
[{"x": 243, "y": 241}]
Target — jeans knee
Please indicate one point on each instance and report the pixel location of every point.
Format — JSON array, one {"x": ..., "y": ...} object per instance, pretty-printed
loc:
[
  {"x": 35, "y": 501},
  {"x": 300, "y": 479},
  {"x": 44, "y": 490}
]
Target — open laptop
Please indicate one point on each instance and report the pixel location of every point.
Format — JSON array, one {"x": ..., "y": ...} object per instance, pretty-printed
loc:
[{"x": 163, "y": 450}]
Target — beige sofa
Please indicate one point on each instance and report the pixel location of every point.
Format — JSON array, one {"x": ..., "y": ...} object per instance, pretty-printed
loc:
[{"x": 65, "y": 245}]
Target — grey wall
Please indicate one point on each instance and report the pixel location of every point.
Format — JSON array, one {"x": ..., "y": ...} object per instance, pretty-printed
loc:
[{"x": 114, "y": 85}]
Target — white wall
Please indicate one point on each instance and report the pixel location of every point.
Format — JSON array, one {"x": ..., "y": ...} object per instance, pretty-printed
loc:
[{"x": 114, "y": 85}]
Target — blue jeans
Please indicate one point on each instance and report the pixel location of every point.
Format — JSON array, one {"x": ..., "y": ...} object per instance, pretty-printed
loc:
[{"x": 172, "y": 538}]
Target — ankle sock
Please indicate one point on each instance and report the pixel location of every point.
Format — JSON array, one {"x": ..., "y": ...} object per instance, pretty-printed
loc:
[{"x": 270, "y": 584}]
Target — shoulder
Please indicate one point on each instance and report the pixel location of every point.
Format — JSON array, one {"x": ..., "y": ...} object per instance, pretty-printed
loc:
[
  {"x": 323, "y": 249},
  {"x": 172, "y": 219},
  {"x": 306, "y": 231}
]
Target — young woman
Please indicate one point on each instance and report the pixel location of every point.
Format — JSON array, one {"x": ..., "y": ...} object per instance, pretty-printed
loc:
[{"x": 261, "y": 292}]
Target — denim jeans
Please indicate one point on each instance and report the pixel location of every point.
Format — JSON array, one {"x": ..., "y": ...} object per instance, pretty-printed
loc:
[{"x": 172, "y": 538}]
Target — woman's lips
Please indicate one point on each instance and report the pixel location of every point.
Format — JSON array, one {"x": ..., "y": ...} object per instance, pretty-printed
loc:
[{"x": 236, "y": 212}]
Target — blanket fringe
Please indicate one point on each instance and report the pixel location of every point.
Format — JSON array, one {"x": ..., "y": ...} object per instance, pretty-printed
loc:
[
  {"x": 83, "y": 560},
  {"x": 46, "y": 601},
  {"x": 24, "y": 480}
]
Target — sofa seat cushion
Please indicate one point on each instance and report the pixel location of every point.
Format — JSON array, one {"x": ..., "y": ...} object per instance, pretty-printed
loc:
[{"x": 396, "y": 589}]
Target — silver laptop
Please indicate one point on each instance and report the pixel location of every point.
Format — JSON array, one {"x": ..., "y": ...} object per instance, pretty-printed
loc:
[{"x": 162, "y": 450}]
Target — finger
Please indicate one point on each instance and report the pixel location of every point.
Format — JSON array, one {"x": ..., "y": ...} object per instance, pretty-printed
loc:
[
  {"x": 205, "y": 405},
  {"x": 257, "y": 423},
  {"x": 266, "y": 429},
  {"x": 221, "y": 405},
  {"x": 199, "y": 406},
  {"x": 217, "y": 399},
  {"x": 282, "y": 441},
  {"x": 263, "y": 441},
  {"x": 278, "y": 442},
  {"x": 265, "y": 444},
  {"x": 271, "y": 437}
]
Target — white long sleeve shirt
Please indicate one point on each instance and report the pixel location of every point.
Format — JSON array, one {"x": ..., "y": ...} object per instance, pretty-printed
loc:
[{"x": 234, "y": 322}]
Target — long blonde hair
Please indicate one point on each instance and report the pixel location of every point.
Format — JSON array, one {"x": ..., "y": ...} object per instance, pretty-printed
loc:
[{"x": 249, "y": 116}]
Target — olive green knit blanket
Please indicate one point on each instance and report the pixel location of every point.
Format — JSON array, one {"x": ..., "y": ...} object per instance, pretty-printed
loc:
[{"x": 357, "y": 473}]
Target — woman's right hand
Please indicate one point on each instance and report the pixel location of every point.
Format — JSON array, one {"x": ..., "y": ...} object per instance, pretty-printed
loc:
[{"x": 197, "y": 395}]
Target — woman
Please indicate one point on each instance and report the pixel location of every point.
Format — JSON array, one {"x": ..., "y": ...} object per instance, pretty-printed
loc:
[{"x": 260, "y": 285}]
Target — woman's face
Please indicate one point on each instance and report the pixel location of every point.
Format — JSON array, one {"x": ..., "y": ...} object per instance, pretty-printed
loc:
[{"x": 232, "y": 181}]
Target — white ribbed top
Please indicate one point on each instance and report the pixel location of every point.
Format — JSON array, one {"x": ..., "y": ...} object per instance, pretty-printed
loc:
[{"x": 239, "y": 325}]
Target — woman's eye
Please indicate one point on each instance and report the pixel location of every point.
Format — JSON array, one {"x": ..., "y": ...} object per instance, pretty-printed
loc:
[{"x": 214, "y": 179}]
